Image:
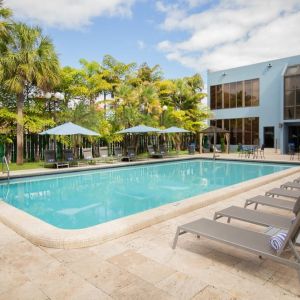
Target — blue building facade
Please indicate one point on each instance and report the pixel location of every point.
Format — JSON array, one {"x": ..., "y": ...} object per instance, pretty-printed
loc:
[{"x": 259, "y": 103}]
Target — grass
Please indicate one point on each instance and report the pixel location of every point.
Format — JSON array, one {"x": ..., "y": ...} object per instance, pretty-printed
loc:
[
  {"x": 25, "y": 166},
  {"x": 36, "y": 165}
]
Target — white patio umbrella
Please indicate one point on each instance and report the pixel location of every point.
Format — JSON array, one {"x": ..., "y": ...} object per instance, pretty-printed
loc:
[
  {"x": 69, "y": 129},
  {"x": 139, "y": 129}
]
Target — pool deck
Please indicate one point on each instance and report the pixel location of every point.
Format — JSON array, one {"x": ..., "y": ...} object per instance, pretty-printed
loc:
[{"x": 142, "y": 264}]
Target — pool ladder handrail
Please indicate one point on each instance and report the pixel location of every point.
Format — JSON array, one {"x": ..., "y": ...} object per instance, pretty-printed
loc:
[{"x": 5, "y": 165}]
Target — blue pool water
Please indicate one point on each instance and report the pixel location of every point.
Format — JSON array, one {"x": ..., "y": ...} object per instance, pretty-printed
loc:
[{"x": 83, "y": 199}]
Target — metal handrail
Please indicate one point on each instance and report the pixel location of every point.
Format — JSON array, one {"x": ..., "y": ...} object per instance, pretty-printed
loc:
[{"x": 5, "y": 165}]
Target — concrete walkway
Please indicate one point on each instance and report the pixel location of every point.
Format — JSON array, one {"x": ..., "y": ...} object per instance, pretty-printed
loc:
[{"x": 142, "y": 265}]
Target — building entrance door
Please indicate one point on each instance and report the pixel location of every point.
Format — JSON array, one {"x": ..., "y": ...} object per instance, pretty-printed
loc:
[
  {"x": 294, "y": 136},
  {"x": 269, "y": 137}
]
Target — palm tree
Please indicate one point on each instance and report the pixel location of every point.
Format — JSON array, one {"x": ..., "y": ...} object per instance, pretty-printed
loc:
[
  {"x": 28, "y": 59},
  {"x": 5, "y": 14}
]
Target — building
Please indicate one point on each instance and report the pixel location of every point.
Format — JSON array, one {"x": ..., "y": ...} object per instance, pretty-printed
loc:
[{"x": 259, "y": 103}]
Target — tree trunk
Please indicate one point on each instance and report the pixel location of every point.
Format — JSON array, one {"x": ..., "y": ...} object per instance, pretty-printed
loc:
[{"x": 20, "y": 129}]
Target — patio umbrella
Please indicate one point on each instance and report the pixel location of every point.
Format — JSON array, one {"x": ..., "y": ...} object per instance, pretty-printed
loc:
[
  {"x": 139, "y": 129},
  {"x": 69, "y": 129},
  {"x": 174, "y": 129}
]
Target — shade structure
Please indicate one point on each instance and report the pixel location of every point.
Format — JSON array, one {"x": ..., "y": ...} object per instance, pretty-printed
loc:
[
  {"x": 69, "y": 129},
  {"x": 215, "y": 130},
  {"x": 139, "y": 129},
  {"x": 174, "y": 129}
]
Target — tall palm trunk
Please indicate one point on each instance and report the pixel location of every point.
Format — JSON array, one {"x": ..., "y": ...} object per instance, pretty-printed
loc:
[{"x": 20, "y": 128}]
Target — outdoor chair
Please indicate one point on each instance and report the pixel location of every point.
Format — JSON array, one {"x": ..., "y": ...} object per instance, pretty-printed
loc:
[
  {"x": 270, "y": 201},
  {"x": 255, "y": 217},
  {"x": 131, "y": 155},
  {"x": 152, "y": 153},
  {"x": 50, "y": 159},
  {"x": 118, "y": 153},
  {"x": 216, "y": 150},
  {"x": 293, "y": 194},
  {"x": 69, "y": 157},
  {"x": 103, "y": 151},
  {"x": 290, "y": 185},
  {"x": 88, "y": 156},
  {"x": 247, "y": 240}
]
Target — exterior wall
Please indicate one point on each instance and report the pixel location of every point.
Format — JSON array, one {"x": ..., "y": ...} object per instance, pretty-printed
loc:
[{"x": 271, "y": 95}]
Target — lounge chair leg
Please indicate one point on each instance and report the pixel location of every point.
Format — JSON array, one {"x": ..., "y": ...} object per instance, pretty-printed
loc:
[
  {"x": 176, "y": 238},
  {"x": 260, "y": 257},
  {"x": 228, "y": 220},
  {"x": 198, "y": 236},
  {"x": 256, "y": 204}
]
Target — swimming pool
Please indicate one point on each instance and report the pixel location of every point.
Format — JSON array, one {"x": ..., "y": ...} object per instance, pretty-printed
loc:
[{"x": 83, "y": 199}]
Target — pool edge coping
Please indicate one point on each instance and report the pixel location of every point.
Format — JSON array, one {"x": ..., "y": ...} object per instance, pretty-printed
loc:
[{"x": 43, "y": 234}]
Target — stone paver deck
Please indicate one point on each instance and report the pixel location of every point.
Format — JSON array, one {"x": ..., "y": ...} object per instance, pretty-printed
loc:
[{"x": 142, "y": 265}]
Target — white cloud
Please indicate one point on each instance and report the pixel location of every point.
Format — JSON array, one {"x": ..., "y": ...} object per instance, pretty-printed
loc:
[
  {"x": 141, "y": 44},
  {"x": 68, "y": 13},
  {"x": 232, "y": 32}
]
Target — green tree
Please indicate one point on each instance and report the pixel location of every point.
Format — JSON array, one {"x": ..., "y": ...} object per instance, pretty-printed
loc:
[{"x": 28, "y": 59}]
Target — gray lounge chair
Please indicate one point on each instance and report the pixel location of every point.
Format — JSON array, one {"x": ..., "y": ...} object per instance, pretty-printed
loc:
[
  {"x": 130, "y": 154},
  {"x": 290, "y": 185},
  {"x": 50, "y": 159},
  {"x": 247, "y": 240},
  {"x": 254, "y": 217},
  {"x": 283, "y": 193},
  {"x": 88, "y": 156},
  {"x": 105, "y": 156},
  {"x": 69, "y": 157},
  {"x": 152, "y": 153},
  {"x": 118, "y": 153},
  {"x": 270, "y": 201}
]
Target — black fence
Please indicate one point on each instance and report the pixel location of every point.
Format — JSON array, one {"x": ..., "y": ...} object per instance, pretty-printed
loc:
[{"x": 35, "y": 145}]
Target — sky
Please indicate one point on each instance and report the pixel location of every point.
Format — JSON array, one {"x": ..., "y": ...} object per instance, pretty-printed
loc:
[{"x": 183, "y": 36}]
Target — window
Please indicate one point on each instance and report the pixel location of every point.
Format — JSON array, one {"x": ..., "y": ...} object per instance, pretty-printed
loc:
[
  {"x": 235, "y": 94},
  {"x": 248, "y": 92},
  {"x": 219, "y": 96},
  {"x": 255, "y": 92},
  {"x": 226, "y": 95},
  {"x": 239, "y": 94},
  {"x": 292, "y": 93},
  {"x": 212, "y": 97}
]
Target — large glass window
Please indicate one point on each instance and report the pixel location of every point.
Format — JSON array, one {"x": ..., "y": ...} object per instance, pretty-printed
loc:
[
  {"x": 226, "y": 95},
  {"x": 239, "y": 94},
  {"x": 292, "y": 93},
  {"x": 242, "y": 131},
  {"x": 235, "y": 94},
  {"x": 213, "y": 97},
  {"x": 219, "y": 96}
]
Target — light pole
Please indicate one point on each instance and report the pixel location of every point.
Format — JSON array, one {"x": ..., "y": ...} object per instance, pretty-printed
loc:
[{"x": 164, "y": 108}]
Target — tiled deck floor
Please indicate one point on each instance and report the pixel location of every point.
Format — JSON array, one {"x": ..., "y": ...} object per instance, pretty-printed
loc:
[{"x": 142, "y": 265}]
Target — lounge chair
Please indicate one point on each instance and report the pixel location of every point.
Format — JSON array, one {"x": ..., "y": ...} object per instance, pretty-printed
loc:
[
  {"x": 88, "y": 156},
  {"x": 291, "y": 185},
  {"x": 50, "y": 159},
  {"x": 254, "y": 217},
  {"x": 270, "y": 201},
  {"x": 69, "y": 157},
  {"x": 216, "y": 150},
  {"x": 103, "y": 151},
  {"x": 130, "y": 154},
  {"x": 152, "y": 153},
  {"x": 247, "y": 240},
  {"x": 118, "y": 153},
  {"x": 283, "y": 193}
]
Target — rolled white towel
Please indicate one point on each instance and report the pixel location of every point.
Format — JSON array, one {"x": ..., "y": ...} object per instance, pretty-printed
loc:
[{"x": 277, "y": 240}]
